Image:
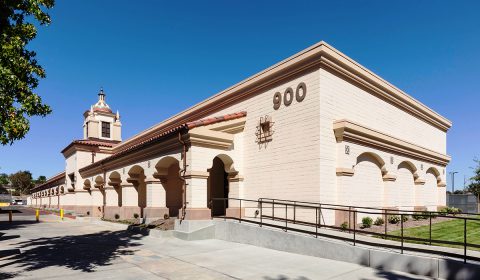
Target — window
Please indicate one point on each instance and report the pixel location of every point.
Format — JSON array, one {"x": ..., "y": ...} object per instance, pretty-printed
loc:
[{"x": 106, "y": 129}]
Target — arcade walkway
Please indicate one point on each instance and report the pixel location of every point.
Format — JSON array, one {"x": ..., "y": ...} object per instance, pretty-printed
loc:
[{"x": 55, "y": 249}]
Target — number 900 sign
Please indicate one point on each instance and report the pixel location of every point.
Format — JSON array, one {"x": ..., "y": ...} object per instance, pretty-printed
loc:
[{"x": 300, "y": 94}]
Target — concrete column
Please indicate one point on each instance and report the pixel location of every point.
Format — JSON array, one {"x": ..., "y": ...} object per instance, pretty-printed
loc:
[
  {"x": 129, "y": 201},
  {"x": 197, "y": 204},
  {"x": 112, "y": 205},
  {"x": 97, "y": 202},
  {"x": 83, "y": 202},
  {"x": 156, "y": 199}
]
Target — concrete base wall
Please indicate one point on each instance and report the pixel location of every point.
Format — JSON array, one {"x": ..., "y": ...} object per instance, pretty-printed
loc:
[
  {"x": 198, "y": 214},
  {"x": 336, "y": 250},
  {"x": 129, "y": 211},
  {"x": 111, "y": 211},
  {"x": 155, "y": 212}
]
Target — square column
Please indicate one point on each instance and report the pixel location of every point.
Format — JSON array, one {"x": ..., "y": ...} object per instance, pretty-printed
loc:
[
  {"x": 156, "y": 199},
  {"x": 197, "y": 204},
  {"x": 129, "y": 201},
  {"x": 112, "y": 205}
]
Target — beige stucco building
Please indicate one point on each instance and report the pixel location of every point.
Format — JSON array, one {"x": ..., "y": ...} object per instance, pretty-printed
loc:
[{"x": 316, "y": 127}]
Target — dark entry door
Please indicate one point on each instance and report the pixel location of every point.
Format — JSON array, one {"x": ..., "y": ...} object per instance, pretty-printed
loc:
[{"x": 218, "y": 187}]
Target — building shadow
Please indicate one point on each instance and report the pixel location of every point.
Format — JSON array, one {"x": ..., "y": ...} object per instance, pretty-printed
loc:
[
  {"x": 389, "y": 275},
  {"x": 5, "y": 225},
  {"x": 76, "y": 252},
  {"x": 283, "y": 277}
]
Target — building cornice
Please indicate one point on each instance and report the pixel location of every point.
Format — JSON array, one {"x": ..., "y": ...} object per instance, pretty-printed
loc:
[
  {"x": 349, "y": 131},
  {"x": 316, "y": 56}
]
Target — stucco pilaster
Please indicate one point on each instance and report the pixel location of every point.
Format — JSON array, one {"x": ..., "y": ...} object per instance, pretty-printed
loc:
[
  {"x": 156, "y": 196},
  {"x": 129, "y": 195}
]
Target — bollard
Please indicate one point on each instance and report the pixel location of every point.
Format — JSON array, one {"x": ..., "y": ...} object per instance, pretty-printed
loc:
[
  {"x": 61, "y": 214},
  {"x": 10, "y": 216},
  {"x": 37, "y": 215}
]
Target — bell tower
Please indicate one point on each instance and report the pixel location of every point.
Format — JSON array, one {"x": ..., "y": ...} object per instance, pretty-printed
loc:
[{"x": 100, "y": 123}]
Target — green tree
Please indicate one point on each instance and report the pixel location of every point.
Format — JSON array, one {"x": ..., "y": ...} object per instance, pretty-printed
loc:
[
  {"x": 19, "y": 70},
  {"x": 21, "y": 181},
  {"x": 474, "y": 185},
  {"x": 3, "y": 183},
  {"x": 4, "y": 179},
  {"x": 40, "y": 180}
]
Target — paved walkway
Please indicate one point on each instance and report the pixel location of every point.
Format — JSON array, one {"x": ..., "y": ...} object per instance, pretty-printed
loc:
[{"x": 55, "y": 249}]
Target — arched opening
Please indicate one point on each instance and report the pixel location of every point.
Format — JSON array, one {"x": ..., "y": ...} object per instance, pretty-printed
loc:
[
  {"x": 367, "y": 188},
  {"x": 428, "y": 194},
  {"x": 168, "y": 171},
  {"x": 403, "y": 194},
  {"x": 115, "y": 181},
  {"x": 217, "y": 185},
  {"x": 137, "y": 178}
]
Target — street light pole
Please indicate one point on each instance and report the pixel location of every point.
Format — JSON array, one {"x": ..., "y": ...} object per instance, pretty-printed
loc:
[{"x": 453, "y": 180}]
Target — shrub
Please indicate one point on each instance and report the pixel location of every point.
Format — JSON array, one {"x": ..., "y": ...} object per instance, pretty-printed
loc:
[
  {"x": 117, "y": 216},
  {"x": 367, "y": 222},
  {"x": 426, "y": 214},
  {"x": 450, "y": 210},
  {"x": 379, "y": 221},
  {"x": 394, "y": 219},
  {"x": 135, "y": 215},
  {"x": 344, "y": 226},
  {"x": 419, "y": 216},
  {"x": 453, "y": 210}
]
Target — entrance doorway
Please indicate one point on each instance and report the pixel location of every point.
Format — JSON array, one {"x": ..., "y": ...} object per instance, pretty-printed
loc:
[{"x": 218, "y": 187}]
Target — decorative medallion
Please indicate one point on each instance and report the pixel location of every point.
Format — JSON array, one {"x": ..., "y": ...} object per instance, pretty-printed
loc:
[{"x": 264, "y": 130}]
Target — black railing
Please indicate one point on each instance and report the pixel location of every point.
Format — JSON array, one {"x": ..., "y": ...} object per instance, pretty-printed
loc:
[{"x": 276, "y": 219}]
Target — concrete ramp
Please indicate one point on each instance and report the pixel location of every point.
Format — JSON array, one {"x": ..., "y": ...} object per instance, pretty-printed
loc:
[{"x": 327, "y": 248}]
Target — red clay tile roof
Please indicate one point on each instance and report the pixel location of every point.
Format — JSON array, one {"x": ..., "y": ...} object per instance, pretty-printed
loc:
[
  {"x": 96, "y": 142},
  {"x": 49, "y": 181},
  {"x": 162, "y": 133},
  {"x": 92, "y": 142},
  {"x": 213, "y": 120}
]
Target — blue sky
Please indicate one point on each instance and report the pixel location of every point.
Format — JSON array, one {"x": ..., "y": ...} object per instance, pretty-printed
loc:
[{"x": 155, "y": 58}]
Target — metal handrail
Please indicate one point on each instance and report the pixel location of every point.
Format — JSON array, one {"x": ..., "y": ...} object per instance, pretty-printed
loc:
[
  {"x": 318, "y": 207},
  {"x": 357, "y": 207}
]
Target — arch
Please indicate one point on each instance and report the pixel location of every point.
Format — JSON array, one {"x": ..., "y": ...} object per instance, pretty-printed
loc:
[
  {"x": 366, "y": 187},
  {"x": 86, "y": 184},
  {"x": 228, "y": 163},
  {"x": 373, "y": 157},
  {"x": 115, "y": 180},
  {"x": 408, "y": 165},
  {"x": 218, "y": 185},
  {"x": 168, "y": 171},
  {"x": 99, "y": 182},
  {"x": 165, "y": 162},
  {"x": 62, "y": 189},
  {"x": 434, "y": 171},
  {"x": 402, "y": 193},
  {"x": 426, "y": 196},
  {"x": 136, "y": 176}
]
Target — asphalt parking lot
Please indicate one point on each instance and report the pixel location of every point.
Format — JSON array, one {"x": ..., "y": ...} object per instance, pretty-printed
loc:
[{"x": 55, "y": 249}]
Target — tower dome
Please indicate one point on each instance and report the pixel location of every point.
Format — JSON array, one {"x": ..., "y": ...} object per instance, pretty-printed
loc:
[{"x": 101, "y": 105}]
